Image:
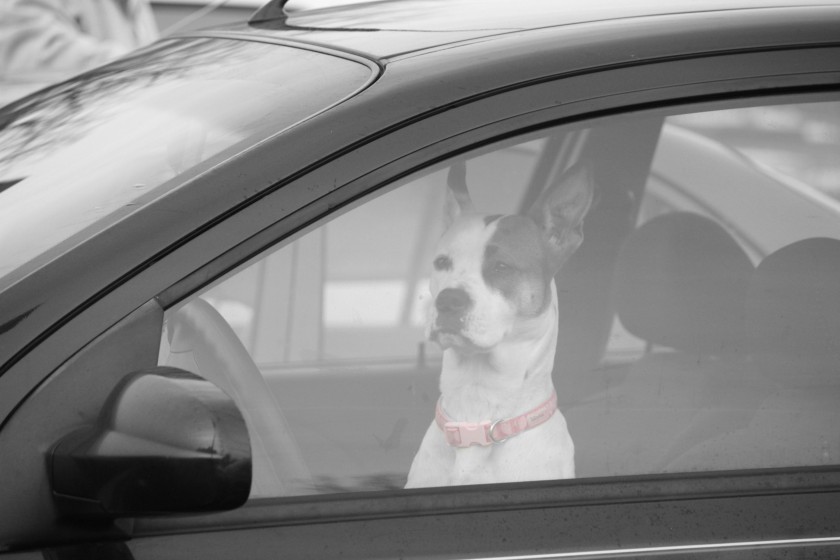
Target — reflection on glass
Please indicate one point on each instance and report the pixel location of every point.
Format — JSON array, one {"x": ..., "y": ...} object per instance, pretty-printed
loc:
[
  {"x": 89, "y": 151},
  {"x": 801, "y": 141}
]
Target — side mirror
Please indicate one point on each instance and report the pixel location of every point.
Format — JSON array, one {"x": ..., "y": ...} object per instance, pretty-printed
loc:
[{"x": 166, "y": 441}]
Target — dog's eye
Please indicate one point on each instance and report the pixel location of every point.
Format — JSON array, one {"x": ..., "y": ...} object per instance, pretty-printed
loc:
[
  {"x": 443, "y": 263},
  {"x": 502, "y": 267}
]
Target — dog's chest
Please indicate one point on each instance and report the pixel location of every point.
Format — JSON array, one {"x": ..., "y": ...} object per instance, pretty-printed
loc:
[
  {"x": 474, "y": 465},
  {"x": 524, "y": 457}
]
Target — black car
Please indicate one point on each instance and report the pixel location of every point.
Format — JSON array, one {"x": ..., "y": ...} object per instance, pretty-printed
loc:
[{"x": 214, "y": 279}]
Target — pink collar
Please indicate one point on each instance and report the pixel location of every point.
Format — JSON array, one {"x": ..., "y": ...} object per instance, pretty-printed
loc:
[{"x": 488, "y": 432}]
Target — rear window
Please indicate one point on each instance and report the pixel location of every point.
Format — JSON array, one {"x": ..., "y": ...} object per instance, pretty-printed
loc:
[{"x": 80, "y": 155}]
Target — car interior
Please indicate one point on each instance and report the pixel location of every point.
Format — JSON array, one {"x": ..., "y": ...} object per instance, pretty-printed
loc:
[{"x": 681, "y": 348}]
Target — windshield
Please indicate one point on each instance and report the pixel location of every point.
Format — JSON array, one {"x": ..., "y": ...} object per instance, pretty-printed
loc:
[{"x": 79, "y": 156}]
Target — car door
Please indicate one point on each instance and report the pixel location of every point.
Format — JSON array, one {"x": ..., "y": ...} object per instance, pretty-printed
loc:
[
  {"x": 341, "y": 334},
  {"x": 656, "y": 383}
]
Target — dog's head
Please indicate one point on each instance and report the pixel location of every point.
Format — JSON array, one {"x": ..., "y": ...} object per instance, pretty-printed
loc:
[{"x": 493, "y": 273}]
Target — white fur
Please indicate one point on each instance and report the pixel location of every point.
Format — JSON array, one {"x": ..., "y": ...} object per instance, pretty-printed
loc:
[
  {"x": 493, "y": 316},
  {"x": 498, "y": 366}
]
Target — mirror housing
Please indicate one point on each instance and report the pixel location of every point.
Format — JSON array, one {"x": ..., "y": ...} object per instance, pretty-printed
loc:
[{"x": 166, "y": 441}]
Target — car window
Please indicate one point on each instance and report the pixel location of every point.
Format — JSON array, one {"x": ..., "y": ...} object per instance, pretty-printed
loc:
[
  {"x": 84, "y": 153},
  {"x": 672, "y": 277}
]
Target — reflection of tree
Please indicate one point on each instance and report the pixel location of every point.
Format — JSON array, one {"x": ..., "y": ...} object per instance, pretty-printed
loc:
[{"x": 67, "y": 111}]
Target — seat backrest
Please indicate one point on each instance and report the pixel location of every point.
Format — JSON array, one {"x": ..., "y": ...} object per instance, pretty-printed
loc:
[
  {"x": 681, "y": 282},
  {"x": 201, "y": 341},
  {"x": 793, "y": 309},
  {"x": 793, "y": 333}
]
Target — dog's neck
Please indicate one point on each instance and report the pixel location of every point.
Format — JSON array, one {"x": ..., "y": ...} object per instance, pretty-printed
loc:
[{"x": 511, "y": 378}]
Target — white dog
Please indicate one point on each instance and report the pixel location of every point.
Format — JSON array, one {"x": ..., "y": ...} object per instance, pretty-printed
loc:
[{"x": 495, "y": 316}]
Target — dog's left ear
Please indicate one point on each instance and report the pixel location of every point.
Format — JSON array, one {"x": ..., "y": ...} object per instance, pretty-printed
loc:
[
  {"x": 560, "y": 211},
  {"x": 458, "y": 199}
]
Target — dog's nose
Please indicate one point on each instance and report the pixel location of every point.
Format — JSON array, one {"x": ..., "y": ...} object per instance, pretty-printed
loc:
[{"x": 453, "y": 300}]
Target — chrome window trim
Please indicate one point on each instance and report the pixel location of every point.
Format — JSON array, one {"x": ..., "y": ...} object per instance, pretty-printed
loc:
[{"x": 689, "y": 548}]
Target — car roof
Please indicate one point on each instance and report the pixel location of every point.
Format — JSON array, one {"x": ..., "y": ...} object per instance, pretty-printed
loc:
[
  {"x": 388, "y": 29},
  {"x": 487, "y": 15}
]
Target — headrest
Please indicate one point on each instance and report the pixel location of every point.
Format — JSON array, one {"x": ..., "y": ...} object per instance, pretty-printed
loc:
[
  {"x": 681, "y": 282},
  {"x": 793, "y": 304}
]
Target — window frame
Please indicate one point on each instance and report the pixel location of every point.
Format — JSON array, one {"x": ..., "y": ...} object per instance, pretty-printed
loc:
[
  {"x": 718, "y": 484},
  {"x": 652, "y": 115}
]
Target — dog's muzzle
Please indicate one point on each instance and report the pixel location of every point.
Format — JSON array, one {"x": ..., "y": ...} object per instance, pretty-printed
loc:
[
  {"x": 452, "y": 305},
  {"x": 490, "y": 432}
]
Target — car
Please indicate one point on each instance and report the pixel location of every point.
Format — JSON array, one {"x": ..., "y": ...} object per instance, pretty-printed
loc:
[{"x": 215, "y": 282}]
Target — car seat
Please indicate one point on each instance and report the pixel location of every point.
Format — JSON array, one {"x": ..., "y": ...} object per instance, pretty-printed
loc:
[
  {"x": 201, "y": 341},
  {"x": 793, "y": 309},
  {"x": 793, "y": 331},
  {"x": 681, "y": 282},
  {"x": 680, "y": 285}
]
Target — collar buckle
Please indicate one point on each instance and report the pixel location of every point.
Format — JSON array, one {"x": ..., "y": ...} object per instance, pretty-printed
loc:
[{"x": 465, "y": 434}]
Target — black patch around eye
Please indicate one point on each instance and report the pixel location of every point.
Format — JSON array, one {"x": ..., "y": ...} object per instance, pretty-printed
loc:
[
  {"x": 501, "y": 268},
  {"x": 501, "y": 275},
  {"x": 516, "y": 244},
  {"x": 443, "y": 263}
]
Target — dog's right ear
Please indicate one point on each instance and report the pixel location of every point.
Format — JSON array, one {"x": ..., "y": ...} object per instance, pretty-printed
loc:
[
  {"x": 458, "y": 199},
  {"x": 560, "y": 211}
]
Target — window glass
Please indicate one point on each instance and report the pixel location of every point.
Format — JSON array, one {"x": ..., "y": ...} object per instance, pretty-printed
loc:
[
  {"x": 797, "y": 140},
  {"x": 84, "y": 153},
  {"x": 673, "y": 279}
]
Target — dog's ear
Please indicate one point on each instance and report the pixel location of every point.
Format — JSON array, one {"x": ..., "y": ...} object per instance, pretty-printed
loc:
[
  {"x": 458, "y": 199},
  {"x": 560, "y": 210}
]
